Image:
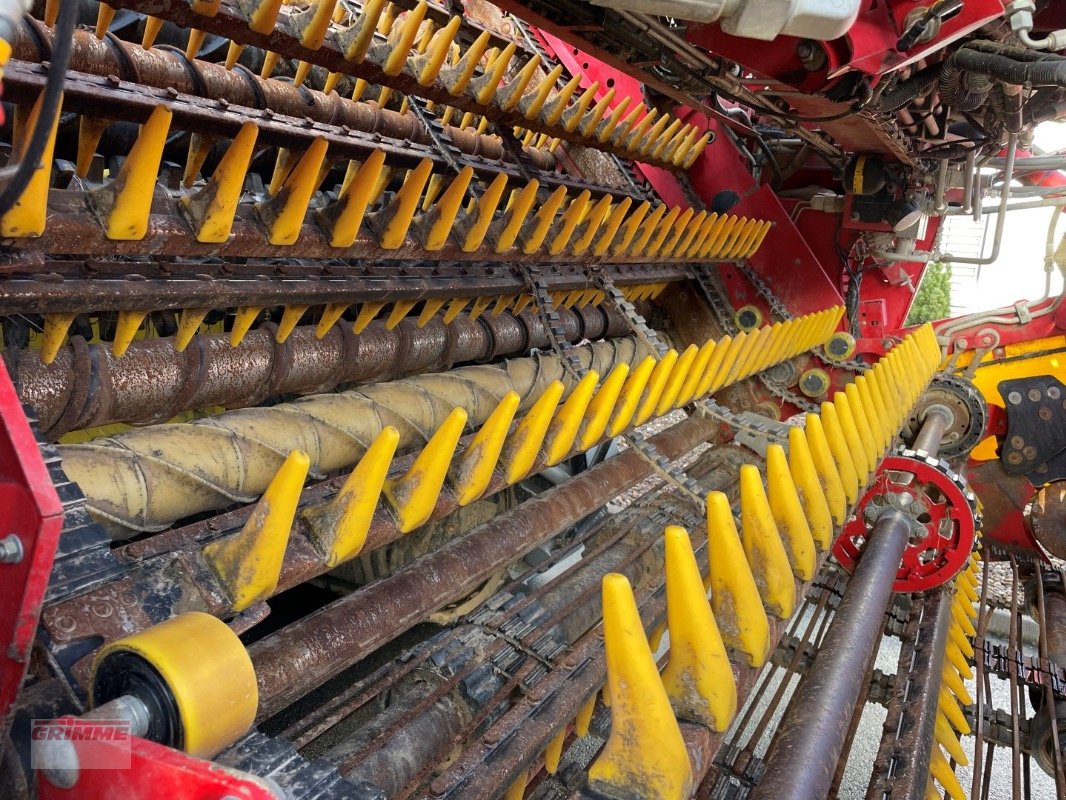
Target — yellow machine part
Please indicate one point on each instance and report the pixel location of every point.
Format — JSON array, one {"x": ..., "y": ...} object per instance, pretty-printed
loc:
[
  {"x": 1021, "y": 360},
  {"x": 208, "y": 672}
]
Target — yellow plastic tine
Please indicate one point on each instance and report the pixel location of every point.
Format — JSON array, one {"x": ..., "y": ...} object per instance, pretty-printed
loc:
[
  {"x": 852, "y": 437},
  {"x": 315, "y": 21},
  {"x": 455, "y": 79},
  {"x": 633, "y": 139},
  {"x": 289, "y": 318},
  {"x": 574, "y": 114},
  {"x": 584, "y": 717},
  {"x": 945, "y": 776},
  {"x": 479, "y": 306},
  {"x": 693, "y": 228},
  {"x": 662, "y": 231},
  {"x": 950, "y": 708},
  {"x": 713, "y": 366},
  {"x": 734, "y": 595},
  {"x": 516, "y": 216},
  {"x": 958, "y": 614},
  {"x": 400, "y": 309},
  {"x": 955, "y": 657},
  {"x": 249, "y": 562},
  {"x": 697, "y": 149},
  {"x": 788, "y": 513},
  {"x": 959, "y": 640},
  {"x": 554, "y": 108},
  {"x": 54, "y": 336},
  {"x": 593, "y": 221},
  {"x": 878, "y": 427},
  {"x": 397, "y": 217},
  {"x": 698, "y": 677},
  {"x": 90, "y": 131},
  {"x": 339, "y": 527},
  {"x": 127, "y": 326},
  {"x": 510, "y": 95},
  {"x": 28, "y": 215},
  {"x": 331, "y": 314},
  {"x": 367, "y": 312},
  {"x": 742, "y": 366},
  {"x": 553, "y": 754},
  {"x": 656, "y": 384},
  {"x": 719, "y": 236},
  {"x": 834, "y": 436},
  {"x": 678, "y": 374},
  {"x": 402, "y": 38},
  {"x": 473, "y": 470},
  {"x": 447, "y": 208},
  {"x": 657, "y": 146},
  {"x": 826, "y": 467},
  {"x": 455, "y": 307},
  {"x": 486, "y": 207},
  {"x": 562, "y": 433},
  {"x": 188, "y": 326},
  {"x": 126, "y": 202},
  {"x": 517, "y": 789},
  {"x": 625, "y": 127},
  {"x": 651, "y": 224},
  {"x": 676, "y": 232},
  {"x": 429, "y": 310},
  {"x": 613, "y": 120},
  {"x": 869, "y": 382},
  {"x": 630, "y": 396},
  {"x": 602, "y": 406},
  {"x": 701, "y": 235},
  {"x": 763, "y": 547},
  {"x": 610, "y": 228},
  {"x": 503, "y": 302},
  {"x": 212, "y": 208},
  {"x": 485, "y": 87},
  {"x": 242, "y": 323},
  {"x": 284, "y": 213},
  {"x": 361, "y": 35},
  {"x": 104, "y": 15},
  {"x": 809, "y": 491},
  {"x": 523, "y": 445},
  {"x": 645, "y": 747},
  {"x": 949, "y": 740},
  {"x": 696, "y": 373},
  {"x": 569, "y": 221},
  {"x": 542, "y": 221},
  {"x": 414, "y": 495},
  {"x": 629, "y": 228},
  {"x": 531, "y": 104},
  {"x": 867, "y": 428},
  {"x": 729, "y": 361},
  {"x": 592, "y": 119},
  {"x": 679, "y": 148},
  {"x": 953, "y": 682},
  {"x": 428, "y": 66},
  {"x": 344, "y": 221}
]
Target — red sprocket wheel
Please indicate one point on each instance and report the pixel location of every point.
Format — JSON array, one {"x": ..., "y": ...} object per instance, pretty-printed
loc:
[{"x": 946, "y": 520}]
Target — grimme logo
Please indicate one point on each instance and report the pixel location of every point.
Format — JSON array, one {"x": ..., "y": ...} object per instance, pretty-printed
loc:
[{"x": 80, "y": 744}]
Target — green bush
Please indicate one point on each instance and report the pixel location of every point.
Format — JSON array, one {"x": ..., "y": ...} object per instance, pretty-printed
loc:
[{"x": 933, "y": 299}]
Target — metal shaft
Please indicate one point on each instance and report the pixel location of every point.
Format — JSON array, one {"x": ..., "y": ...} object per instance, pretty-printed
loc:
[{"x": 805, "y": 752}]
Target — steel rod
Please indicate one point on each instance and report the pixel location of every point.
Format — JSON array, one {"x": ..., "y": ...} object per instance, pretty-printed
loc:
[{"x": 803, "y": 757}]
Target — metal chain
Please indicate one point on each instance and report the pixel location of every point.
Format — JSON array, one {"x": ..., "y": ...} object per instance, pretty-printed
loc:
[{"x": 441, "y": 141}]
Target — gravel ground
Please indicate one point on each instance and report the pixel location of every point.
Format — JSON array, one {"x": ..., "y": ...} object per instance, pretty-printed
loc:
[{"x": 1000, "y": 580}]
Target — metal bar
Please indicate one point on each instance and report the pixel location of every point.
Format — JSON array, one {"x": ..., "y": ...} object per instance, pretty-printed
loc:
[
  {"x": 934, "y": 424},
  {"x": 901, "y": 769},
  {"x": 804, "y": 754}
]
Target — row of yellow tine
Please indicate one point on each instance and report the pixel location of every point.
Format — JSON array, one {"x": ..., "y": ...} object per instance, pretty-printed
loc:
[
  {"x": 415, "y": 47},
  {"x": 951, "y": 723},
  {"x": 249, "y": 563},
  {"x": 576, "y": 225},
  {"x": 751, "y": 572},
  {"x": 130, "y": 323}
]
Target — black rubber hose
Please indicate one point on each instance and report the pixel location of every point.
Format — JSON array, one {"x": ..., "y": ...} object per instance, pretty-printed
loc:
[
  {"x": 53, "y": 93},
  {"x": 1045, "y": 72},
  {"x": 912, "y": 88}
]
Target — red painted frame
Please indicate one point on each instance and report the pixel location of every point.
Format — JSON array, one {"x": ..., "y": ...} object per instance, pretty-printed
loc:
[{"x": 30, "y": 509}]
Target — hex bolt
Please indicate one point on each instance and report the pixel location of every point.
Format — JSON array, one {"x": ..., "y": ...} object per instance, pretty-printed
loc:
[{"x": 11, "y": 550}]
